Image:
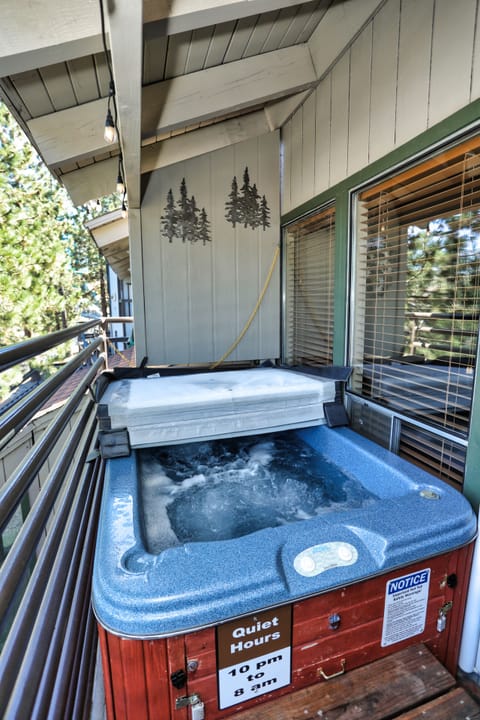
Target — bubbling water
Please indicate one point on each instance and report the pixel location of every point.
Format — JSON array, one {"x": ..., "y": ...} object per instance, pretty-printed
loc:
[{"x": 224, "y": 489}]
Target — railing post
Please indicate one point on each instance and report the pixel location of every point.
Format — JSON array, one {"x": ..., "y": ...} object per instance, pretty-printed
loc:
[{"x": 48, "y": 633}]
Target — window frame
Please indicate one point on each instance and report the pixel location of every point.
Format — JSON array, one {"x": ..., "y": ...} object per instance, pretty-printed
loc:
[
  {"x": 400, "y": 422},
  {"x": 458, "y": 126},
  {"x": 445, "y": 156}
]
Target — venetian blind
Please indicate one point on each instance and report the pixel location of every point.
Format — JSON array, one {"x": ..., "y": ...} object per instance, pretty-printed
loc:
[
  {"x": 436, "y": 455},
  {"x": 309, "y": 280},
  {"x": 417, "y": 289}
]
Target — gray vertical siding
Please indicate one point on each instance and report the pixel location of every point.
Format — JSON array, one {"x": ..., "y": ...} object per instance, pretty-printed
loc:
[
  {"x": 414, "y": 64},
  {"x": 198, "y": 298}
]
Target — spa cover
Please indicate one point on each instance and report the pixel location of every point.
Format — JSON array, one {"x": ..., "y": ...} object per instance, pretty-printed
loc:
[{"x": 174, "y": 409}]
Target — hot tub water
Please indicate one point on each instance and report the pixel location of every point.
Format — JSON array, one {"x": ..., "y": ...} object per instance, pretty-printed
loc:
[{"x": 224, "y": 489}]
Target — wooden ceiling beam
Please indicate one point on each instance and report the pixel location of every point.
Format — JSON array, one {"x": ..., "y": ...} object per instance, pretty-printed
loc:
[
  {"x": 44, "y": 34},
  {"x": 71, "y": 134},
  {"x": 78, "y": 132},
  {"x": 168, "y": 17},
  {"x": 92, "y": 181},
  {"x": 96, "y": 180},
  {"x": 278, "y": 112},
  {"x": 224, "y": 89},
  {"x": 202, "y": 141}
]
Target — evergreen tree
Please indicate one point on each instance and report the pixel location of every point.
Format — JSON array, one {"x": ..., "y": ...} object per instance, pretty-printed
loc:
[
  {"x": 86, "y": 261},
  {"x": 190, "y": 220},
  {"x": 169, "y": 219},
  {"x": 253, "y": 208},
  {"x": 232, "y": 214},
  {"x": 264, "y": 213},
  {"x": 442, "y": 278},
  {"x": 204, "y": 228},
  {"x": 245, "y": 207},
  {"x": 36, "y": 285},
  {"x": 50, "y": 268},
  {"x": 245, "y": 193},
  {"x": 183, "y": 204},
  {"x": 184, "y": 221}
]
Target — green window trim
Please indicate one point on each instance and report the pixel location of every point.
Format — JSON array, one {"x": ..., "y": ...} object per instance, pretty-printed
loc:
[{"x": 461, "y": 123}]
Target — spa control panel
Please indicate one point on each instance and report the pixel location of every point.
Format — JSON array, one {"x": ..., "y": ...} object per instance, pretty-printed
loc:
[{"x": 318, "y": 558}]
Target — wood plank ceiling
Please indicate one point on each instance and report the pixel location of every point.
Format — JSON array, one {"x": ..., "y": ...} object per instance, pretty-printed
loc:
[{"x": 190, "y": 76}]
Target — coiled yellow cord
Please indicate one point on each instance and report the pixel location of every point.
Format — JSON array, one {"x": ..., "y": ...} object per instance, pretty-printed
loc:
[{"x": 252, "y": 314}]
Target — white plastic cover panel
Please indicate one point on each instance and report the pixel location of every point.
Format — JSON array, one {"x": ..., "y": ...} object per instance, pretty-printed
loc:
[{"x": 168, "y": 410}]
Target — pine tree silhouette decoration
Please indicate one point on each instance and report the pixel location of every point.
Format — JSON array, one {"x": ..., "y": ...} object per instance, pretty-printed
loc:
[
  {"x": 190, "y": 220},
  {"x": 183, "y": 211},
  {"x": 184, "y": 219},
  {"x": 232, "y": 204},
  {"x": 169, "y": 220},
  {"x": 245, "y": 207},
  {"x": 204, "y": 228},
  {"x": 264, "y": 213}
]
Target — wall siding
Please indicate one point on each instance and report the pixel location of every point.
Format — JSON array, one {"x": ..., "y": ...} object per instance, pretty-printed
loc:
[
  {"x": 414, "y": 64},
  {"x": 199, "y": 297},
  {"x": 383, "y": 88}
]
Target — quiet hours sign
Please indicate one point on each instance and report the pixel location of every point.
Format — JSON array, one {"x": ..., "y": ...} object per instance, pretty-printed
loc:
[{"x": 253, "y": 655}]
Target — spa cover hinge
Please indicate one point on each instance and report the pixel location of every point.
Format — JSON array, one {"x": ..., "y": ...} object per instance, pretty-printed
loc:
[{"x": 114, "y": 443}]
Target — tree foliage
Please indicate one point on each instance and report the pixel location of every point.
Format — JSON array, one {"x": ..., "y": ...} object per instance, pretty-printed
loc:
[
  {"x": 50, "y": 268},
  {"x": 443, "y": 260}
]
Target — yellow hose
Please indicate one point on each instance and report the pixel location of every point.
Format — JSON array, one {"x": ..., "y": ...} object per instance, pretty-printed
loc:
[{"x": 252, "y": 314}]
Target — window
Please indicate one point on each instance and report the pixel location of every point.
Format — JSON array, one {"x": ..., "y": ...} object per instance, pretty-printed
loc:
[
  {"x": 309, "y": 269},
  {"x": 417, "y": 290}
]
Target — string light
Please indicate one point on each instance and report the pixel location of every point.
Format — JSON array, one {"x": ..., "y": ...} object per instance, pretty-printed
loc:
[
  {"x": 110, "y": 133},
  {"x": 120, "y": 183},
  {"x": 124, "y": 207}
]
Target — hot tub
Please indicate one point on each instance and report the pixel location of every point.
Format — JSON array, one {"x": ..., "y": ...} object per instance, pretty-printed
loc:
[{"x": 207, "y": 626}]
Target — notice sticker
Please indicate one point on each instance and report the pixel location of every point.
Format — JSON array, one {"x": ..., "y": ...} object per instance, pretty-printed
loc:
[
  {"x": 405, "y": 612},
  {"x": 253, "y": 656}
]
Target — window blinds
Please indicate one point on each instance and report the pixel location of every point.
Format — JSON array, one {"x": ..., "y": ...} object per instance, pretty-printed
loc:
[
  {"x": 309, "y": 271},
  {"x": 436, "y": 455},
  {"x": 417, "y": 288}
]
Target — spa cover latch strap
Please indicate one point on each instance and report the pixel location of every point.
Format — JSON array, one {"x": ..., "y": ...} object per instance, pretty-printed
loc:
[
  {"x": 182, "y": 702},
  {"x": 179, "y": 679}
]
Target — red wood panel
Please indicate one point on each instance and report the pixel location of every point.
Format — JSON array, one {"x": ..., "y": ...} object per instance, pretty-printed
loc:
[
  {"x": 135, "y": 676},
  {"x": 358, "y": 639},
  {"x": 449, "y": 642},
  {"x": 137, "y": 672},
  {"x": 176, "y": 661},
  {"x": 133, "y": 673},
  {"x": 107, "y": 677},
  {"x": 156, "y": 673}
]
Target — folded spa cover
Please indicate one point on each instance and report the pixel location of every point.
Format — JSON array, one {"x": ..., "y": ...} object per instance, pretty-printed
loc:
[{"x": 183, "y": 408}]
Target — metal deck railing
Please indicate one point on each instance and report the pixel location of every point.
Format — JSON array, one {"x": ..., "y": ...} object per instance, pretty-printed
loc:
[{"x": 49, "y": 506}]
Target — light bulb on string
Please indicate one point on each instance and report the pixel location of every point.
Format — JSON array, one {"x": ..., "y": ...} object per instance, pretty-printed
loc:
[
  {"x": 120, "y": 183},
  {"x": 109, "y": 133}
]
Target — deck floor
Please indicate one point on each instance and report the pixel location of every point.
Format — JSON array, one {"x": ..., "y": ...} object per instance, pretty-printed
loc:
[{"x": 408, "y": 685}]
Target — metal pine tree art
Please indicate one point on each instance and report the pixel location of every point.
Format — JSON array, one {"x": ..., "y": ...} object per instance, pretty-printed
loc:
[
  {"x": 245, "y": 206},
  {"x": 184, "y": 219}
]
